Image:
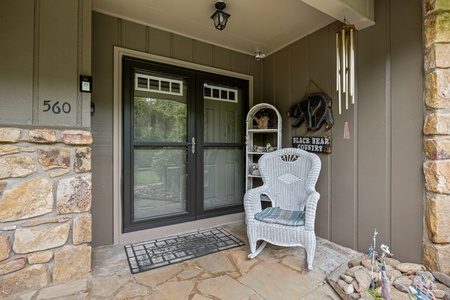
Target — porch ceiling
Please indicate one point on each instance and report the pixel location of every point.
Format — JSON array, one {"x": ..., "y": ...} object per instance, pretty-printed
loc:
[{"x": 254, "y": 25}]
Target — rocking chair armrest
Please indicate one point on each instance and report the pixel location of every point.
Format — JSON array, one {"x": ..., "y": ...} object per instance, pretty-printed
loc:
[
  {"x": 252, "y": 202},
  {"x": 310, "y": 208}
]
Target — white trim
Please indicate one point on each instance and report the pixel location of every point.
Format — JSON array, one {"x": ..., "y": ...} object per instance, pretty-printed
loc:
[
  {"x": 148, "y": 78},
  {"x": 220, "y": 89},
  {"x": 117, "y": 150},
  {"x": 119, "y": 237},
  {"x": 356, "y": 12}
]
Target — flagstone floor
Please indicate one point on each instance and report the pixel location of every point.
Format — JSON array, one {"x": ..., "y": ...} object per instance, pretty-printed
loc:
[{"x": 277, "y": 273}]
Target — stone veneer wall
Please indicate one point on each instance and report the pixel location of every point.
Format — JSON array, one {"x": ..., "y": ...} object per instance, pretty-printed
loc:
[
  {"x": 45, "y": 201},
  {"x": 436, "y": 245}
]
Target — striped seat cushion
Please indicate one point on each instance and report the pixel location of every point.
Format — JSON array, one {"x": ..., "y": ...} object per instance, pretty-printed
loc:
[{"x": 281, "y": 216}]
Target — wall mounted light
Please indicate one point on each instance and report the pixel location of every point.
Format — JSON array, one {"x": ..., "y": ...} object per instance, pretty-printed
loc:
[
  {"x": 85, "y": 84},
  {"x": 220, "y": 17}
]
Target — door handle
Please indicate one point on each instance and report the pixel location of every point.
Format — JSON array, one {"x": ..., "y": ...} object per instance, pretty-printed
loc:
[{"x": 192, "y": 145}]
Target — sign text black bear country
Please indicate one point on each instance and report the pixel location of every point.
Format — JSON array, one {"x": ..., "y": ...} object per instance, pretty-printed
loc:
[{"x": 312, "y": 143}]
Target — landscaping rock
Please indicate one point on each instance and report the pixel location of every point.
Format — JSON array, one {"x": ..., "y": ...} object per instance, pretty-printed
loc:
[
  {"x": 351, "y": 271},
  {"x": 402, "y": 287},
  {"x": 363, "y": 280},
  {"x": 442, "y": 278},
  {"x": 440, "y": 294},
  {"x": 346, "y": 278},
  {"x": 348, "y": 288},
  {"x": 366, "y": 296},
  {"x": 391, "y": 261},
  {"x": 356, "y": 262},
  {"x": 355, "y": 285},
  {"x": 410, "y": 268},
  {"x": 393, "y": 274},
  {"x": 367, "y": 263},
  {"x": 397, "y": 295},
  {"x": 400, "y": 278}
]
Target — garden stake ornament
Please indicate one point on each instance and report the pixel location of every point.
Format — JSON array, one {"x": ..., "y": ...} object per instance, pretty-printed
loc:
[
  {"x": 421, "y": 287},
  {"x": 384, "y": 278},
  {"x": 372, "y": 255},
  {"x": 375, "y": 259}
]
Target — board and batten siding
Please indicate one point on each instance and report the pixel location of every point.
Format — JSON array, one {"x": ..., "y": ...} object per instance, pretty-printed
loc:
[
  {"x": 45, "y": 46},
  {"x": 108, "y": 32},
  {"x": 374, "y": 179}
]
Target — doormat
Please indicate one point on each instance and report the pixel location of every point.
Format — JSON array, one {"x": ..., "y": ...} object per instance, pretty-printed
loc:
[{"x": 158, "y": 253}]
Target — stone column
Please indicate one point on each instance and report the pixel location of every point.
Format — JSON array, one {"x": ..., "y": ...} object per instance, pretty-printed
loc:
[
  {"x": 45, "y": 202},
  {"x": 436, "y": 244}
]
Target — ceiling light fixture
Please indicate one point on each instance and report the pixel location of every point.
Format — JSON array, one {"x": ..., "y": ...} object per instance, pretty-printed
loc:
[{"x": 219, "y": 17}]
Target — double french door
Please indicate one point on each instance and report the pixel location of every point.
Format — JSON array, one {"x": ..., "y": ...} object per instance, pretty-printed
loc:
[{"x": 183, "y": 144}]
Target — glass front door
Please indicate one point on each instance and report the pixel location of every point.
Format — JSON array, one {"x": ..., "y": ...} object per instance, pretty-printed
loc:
[
  {"x": 183, "y": 144},
  {"x": 160, "y": 138},
  {"x": 222, "y": 145}
]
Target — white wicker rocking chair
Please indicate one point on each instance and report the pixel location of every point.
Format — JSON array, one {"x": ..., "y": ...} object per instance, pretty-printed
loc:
[{"x": 289, "y": 177}]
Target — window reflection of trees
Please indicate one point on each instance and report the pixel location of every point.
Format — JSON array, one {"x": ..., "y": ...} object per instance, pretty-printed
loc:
[{"x": 159, "y": 120}]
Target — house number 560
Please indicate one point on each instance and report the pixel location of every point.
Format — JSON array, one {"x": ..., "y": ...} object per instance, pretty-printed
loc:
[{"x": 56, "y": 108}]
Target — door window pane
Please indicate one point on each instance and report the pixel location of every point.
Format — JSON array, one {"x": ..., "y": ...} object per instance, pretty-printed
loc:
[
  {"x": 223, "y": 184},
  {"x": 159, "y": 120},
  {"x": 222, "y": 120},
  {"x": 159, "y": 182}
]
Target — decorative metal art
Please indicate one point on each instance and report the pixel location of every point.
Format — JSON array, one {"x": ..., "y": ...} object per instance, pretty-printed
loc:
[{"x": 314, "y": 110}]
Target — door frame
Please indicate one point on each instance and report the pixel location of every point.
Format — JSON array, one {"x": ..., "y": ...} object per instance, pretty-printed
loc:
[{"x": 119, "y": 237}]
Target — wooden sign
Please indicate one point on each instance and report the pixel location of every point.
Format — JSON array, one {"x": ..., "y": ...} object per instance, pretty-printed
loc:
[{"x": 312, "y": 143}]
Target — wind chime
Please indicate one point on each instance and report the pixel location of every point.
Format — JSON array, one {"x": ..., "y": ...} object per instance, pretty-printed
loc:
[{"x": 345, "y": 64}]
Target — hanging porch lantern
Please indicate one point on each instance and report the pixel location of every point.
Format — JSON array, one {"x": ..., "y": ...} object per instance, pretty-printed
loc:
[{"x": 220, "y": 17}]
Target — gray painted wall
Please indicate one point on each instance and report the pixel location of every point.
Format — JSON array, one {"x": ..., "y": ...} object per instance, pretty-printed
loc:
[
  {"x": 45, "y": 46},
  {"x": 374, "y": 179},
  {"x": 108, "y": 32}
]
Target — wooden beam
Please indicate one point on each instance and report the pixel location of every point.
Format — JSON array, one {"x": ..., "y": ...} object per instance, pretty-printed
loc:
[{"x": 357, "y": 12}]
